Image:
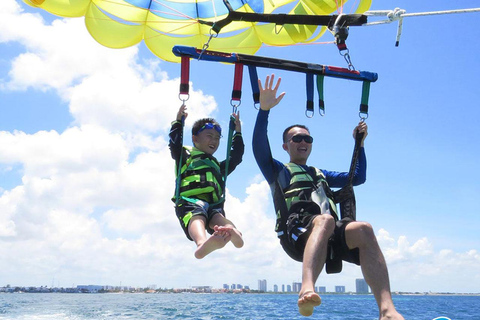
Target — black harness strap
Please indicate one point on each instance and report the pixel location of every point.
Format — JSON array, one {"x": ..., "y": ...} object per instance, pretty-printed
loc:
[
  {"x": 345, "y": 196},
  {"x": 281, "y": 19}
]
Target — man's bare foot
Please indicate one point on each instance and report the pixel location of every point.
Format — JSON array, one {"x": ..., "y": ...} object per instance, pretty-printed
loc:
[
  {"x": 236, "y": 236},
  {"x": 216, "y": 241},
  {"x": 392, "y": 316},
  {"x": 307, "y": 301}
]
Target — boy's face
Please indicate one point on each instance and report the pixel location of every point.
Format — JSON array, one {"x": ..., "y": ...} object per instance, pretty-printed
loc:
[{"x": 207, "y": 141}]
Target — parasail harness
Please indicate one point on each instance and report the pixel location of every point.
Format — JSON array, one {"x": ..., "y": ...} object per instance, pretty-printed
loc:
[
  {"x": 184, "y": 96},
  {"x": 345, "y": 196}
]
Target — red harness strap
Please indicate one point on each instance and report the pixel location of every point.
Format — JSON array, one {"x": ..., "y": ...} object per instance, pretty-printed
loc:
[
  {"x": 237, "y": 83},
  {"x": 185, "y": 76}
]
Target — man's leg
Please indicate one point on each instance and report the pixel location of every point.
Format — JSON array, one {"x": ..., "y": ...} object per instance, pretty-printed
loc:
[
  {"x": 314, "y": 258},
  {"x": 374, "y": 268}
]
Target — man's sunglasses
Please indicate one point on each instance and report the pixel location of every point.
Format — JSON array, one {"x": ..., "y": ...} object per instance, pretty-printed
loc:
[
  {"x": 299, "y": 137},
  {"x": 209, "y": 125}
]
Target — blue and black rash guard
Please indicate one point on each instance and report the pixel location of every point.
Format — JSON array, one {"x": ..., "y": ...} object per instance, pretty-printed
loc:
[
  {"x": 273, "y": 169},
  {"x": 175, "y": 145}
]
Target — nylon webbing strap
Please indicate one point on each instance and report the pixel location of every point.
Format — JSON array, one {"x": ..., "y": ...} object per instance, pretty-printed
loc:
[
  {"x": 254, "y": 82},
  {"x": 364, "y": 104},
  {"x": 231, "y": 129},
  {"x": 321, "y": 101},
  {"x": 309, "y": 82},
  {"x": 237, "y": 82},
  {"x": 184, "y": 75},
  {"x": 356, "y": 150},
  {"x": 179, "y": 166}
]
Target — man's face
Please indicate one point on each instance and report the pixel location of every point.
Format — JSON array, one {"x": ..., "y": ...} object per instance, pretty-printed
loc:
[
  {"x": 298, "y": 148},
  {"x": 207, "y": 140}
]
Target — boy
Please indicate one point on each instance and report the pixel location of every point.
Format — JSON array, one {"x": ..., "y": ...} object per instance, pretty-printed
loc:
[{"x": 199, "y": 206}]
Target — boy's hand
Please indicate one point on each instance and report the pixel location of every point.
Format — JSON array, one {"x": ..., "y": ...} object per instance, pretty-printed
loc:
[
  {"x": 182, "y": 112},
  {"x": 238, "y": 124}
]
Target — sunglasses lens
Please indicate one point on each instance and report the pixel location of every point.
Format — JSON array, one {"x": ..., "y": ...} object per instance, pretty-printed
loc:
[{"x": 298, "y": 138}]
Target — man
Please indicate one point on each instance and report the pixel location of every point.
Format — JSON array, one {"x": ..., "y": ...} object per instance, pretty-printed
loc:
[{"x": 308, "y": 229}]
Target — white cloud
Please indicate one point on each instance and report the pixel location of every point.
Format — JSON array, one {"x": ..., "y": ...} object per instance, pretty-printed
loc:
[{"x": 419, "y": 267}]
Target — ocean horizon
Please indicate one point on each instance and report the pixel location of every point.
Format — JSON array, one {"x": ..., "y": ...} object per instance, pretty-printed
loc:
[{"x": 213, "y": 306}]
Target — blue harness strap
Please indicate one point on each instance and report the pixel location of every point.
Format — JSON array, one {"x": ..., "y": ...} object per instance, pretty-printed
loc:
[{"x": 254, "y": 82}]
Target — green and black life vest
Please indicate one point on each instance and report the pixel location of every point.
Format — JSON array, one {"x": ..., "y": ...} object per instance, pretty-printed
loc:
[
  {"x": 300, "y": 187},
  {"x": 201, "y": 177}
]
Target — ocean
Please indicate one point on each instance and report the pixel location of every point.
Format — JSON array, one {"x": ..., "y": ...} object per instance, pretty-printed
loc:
[{"x": 194, "y": 306}]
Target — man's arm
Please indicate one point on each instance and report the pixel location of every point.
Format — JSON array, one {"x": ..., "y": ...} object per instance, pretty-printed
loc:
[
  {"x": 340, "y": 179},
  {"x": 261, "y": 147}
]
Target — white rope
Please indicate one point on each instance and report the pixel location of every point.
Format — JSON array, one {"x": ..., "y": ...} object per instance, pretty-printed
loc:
[{"x": 398, "y": 14}]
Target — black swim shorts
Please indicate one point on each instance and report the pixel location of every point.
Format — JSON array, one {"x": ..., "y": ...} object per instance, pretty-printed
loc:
[
  {"x": 185, "y": 210},
  {"x": 295, "y": 238}
]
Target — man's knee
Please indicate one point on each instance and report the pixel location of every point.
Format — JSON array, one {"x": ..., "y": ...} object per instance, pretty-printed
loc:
[{"x": 359, "y": 233}]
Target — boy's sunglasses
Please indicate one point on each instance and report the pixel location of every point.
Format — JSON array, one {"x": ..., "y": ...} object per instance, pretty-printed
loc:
[
  {"x": 299, "y": 137},
  {"x": 209, "y": 125}
]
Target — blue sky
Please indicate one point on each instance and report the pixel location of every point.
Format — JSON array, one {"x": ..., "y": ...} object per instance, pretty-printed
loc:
[{"x": 86, "y": 177}]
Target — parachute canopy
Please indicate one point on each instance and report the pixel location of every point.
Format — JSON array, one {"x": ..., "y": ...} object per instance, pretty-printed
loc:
[{"x": 163, "y": 24}]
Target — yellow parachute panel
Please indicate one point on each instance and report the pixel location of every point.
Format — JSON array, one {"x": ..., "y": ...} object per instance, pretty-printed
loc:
[{"x": 165, "y": 23}]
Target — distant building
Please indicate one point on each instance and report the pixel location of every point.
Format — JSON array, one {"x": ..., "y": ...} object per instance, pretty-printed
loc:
[
  {"x": 202, "y": 288},
  {"x": 239, "y": 286},
  {"x": 275, "y": 288},
  {"x": 225, "y": 286},
  {"x": 322, "y": 290},
  {"x": 361, "y": 286},
  {"x": 283, "y": 288},
  {"x": 233, "y": 287},
  {"x": 90, "y": 288},
  {"x": 297, "y": 286},
  {"x": 262, "y": 285},
  {"x": 289, "y": 288},
  {"x": 340, "y": 289}
]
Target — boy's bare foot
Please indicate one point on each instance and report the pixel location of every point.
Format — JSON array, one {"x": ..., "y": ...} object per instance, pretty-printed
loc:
[
  {"x": 216, "y": 241},
  {"x": 236, "y": 236},
  {"x": 307, "y": 301}
]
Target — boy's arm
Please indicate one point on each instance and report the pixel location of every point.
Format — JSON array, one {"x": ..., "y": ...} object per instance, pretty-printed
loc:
[
  {"x": 238, "y": 148},
  {"x": 176, "y": 138}
]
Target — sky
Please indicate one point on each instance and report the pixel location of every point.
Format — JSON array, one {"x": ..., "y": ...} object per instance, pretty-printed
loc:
[{"x": 86, "y": 175}]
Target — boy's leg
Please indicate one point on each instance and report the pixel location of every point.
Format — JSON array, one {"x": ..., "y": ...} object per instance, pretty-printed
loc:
[
  {"x": 374, "y": 268},
  {"x": 222, "y": 225},
  {"x": 196, "y": 229}
]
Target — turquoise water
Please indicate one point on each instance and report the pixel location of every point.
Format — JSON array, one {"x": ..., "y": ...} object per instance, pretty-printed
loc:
[{"x": 52, "y": 306}]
